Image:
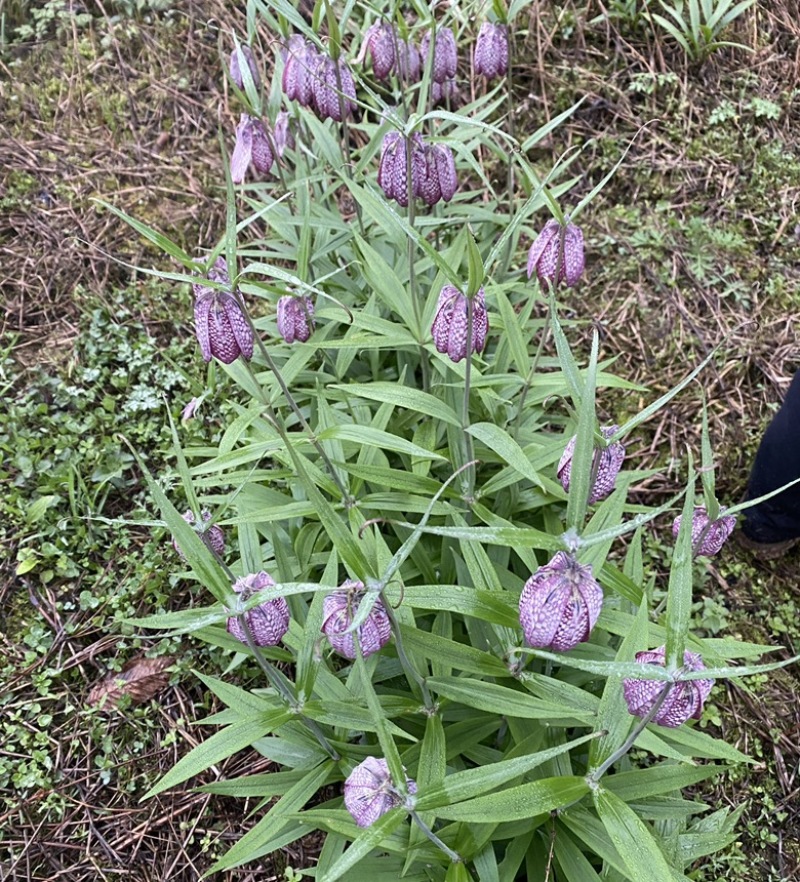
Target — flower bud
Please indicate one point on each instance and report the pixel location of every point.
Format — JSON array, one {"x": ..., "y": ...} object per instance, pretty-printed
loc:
[
  {"x": 445, "y": 54},
  {"x": 295, "y": 318},
  {"x": 708, "y": 537},
  {"x": 491, "y": 51},
  {"x": 450, "y": 325},
  {"x": 543, "y": 257},
  {"x": 380, "y": 42},
  {"x": 393, "y": 167},
  {"x": 300, "y": 62},
  {"x": 213, "y": 537},
  {"x": 267, "y": 622},
  {"x": 236, "y": 70},
  {"x": 606, "y": 463},
  {"x": 330, "y": 78},
  {"x": 221, "y": 327},
  {"x": 684, "y": 700},
  {"x": 339, "y": 610},
  {"x": 560, "y": 604},
  {"x": 370, "y": 793},
  {"x": 252, "y": 148}
]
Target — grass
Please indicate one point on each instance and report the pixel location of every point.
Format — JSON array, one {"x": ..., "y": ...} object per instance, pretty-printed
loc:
[{"x": 694, "y": 241}]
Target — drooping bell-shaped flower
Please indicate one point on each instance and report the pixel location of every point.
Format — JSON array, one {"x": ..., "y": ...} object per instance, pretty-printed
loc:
[
  {"x": 491, "y": 51},
  {"x": 300, "y": 63},
  {"x": 267, "y": 622},
  {"x": 684, "y": 699},
  {"x": 543, "y": 257},
  {"x": 333, "y": 91},
  {"x": 451, "y": 323},
  {"x": 252, "y": 148},
  {"x": 560, "y": 604},
  {"x": 339, "y": 610},
  {"x": 379, "y": 42},
  {"x": 221, "y": 327},
  {"x": 408, "y": 63},
  {"x": 708, "y": 536},
  {"x": 212, "y": 536},
  {"x": 369, "y": 791},
  {"x": 443, "y": 93},
  {"x": 439, "y": 180},
  {"x": 606, "y": 463},
  {"x": 236, "y": 67},
  {"x": 295, "y": 318},
  {"x": 393, "y": 167},
  {"x": 445, "y": 54}
]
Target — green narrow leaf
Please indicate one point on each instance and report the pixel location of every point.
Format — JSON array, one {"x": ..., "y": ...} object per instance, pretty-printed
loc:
[
  {"x": 471, "y": 783},
  {"x": 365, "y": 842},
  {"x": 501, "y": 443},
  {"x": 502, "y": 700},
  {"x": 518, "y": 803},
  {"x": 681, "y": 577},
  {"x": 335, "y": 527},
  {"x": 414, "y": 400},
  {"x": 256, "y": 842},
  {"x": 218, "y": 747},
  {"x": 614, "y": 722},
  {"x": 632, "y": 839},
  {"x": 583, "y": 457}
]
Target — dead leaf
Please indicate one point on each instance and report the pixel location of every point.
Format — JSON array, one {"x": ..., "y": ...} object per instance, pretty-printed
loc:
[{"x": 141, "y": 678}]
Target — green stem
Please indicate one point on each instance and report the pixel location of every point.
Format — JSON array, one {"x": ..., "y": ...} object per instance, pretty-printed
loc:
[
  {"x": 283, "y": 687},
  {"x": 411, "y": 672},
  {"x": 531, "y": 373},
  {"x": 454, "y": 856},
  {"x": 510, "y": 169},
  {"x": 598, "y": 773},
  {"x": 469, "y": 455},
  {"x": 295, "y": 409}
]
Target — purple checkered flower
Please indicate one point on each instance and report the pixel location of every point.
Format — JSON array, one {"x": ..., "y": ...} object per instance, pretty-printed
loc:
[
  {"x": 236, "y": 69},
  {"x": 393, "y": 167},
  {"x": 491, "y": 51},
  {"x": 543, "y": 257},
  {"x": 408, "y": 63},
  {"x": 451, "y": 322},
  {"x": 213, "y": 537},
  {"x": 267, "y": 622},
  {"x": 606, "y": 463},
  {"x": 295, "y": 318},
  {"x": 708, "y": 536},
  {"x": 684, "y": 699},
  {"x": 369, "y": 791},
  {"x": 439, "y": 180},
  {"x": 326, "y": 86},
  {"x": 220, "y": 324},
  {"x": 301, "y": 59},
  {"x": 252, "y": 148},
  {"x": 379, "y": 42},
  {"x": 339, "y": 610},
  {"x": 443, "y": 93},
  {"x": 560, "y": 604},
  {"x": 445, "y": 54}
]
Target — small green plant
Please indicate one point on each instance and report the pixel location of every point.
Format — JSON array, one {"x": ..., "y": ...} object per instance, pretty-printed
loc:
[
  {"x": 423, "y": 567},
  {"x": 697, "y": 25}
]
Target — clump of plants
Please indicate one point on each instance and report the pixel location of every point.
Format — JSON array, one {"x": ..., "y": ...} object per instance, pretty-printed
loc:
[{"x": 428, "y": 566}]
